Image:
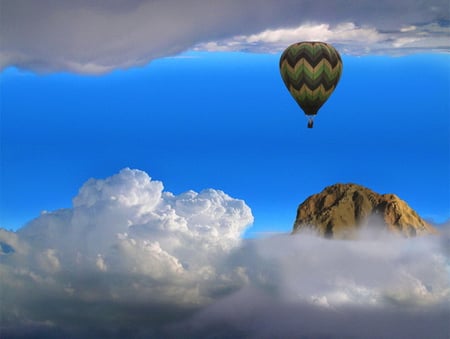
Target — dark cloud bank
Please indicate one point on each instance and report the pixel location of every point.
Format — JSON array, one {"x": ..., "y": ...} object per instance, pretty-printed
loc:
[
  {"x": 100, "y": 36},
  {"x": 130, "y": 260}
]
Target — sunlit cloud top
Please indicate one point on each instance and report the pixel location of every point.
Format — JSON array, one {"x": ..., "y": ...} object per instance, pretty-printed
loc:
[{"x": 96, "y": 37}]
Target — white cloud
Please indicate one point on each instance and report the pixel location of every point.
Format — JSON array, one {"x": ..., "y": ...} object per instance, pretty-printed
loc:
[
  {"x": 94, "y": 37},
  {"x": 130, "y": 259},
  {"x": 408, "y": 28},
  {"x": 348, "y": 37},
  {"x": 127, "y": 225},
  {"x": 129, "y": 189},
  {"x": 347, "y": 31},
  {"x": 304, "y": 286}
]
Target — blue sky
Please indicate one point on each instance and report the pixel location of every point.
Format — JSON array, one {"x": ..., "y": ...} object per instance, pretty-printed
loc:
[{"x": 224, "y": 120}]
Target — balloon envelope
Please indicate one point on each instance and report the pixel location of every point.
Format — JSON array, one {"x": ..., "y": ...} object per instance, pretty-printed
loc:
[{"x": 310, "y": 71}]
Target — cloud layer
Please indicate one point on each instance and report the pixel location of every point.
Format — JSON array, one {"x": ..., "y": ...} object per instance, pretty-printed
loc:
[
  {"x": 132, "y": 260},
  {"x": 347, "y": 37},
  {"x": 96, "y": 37}
]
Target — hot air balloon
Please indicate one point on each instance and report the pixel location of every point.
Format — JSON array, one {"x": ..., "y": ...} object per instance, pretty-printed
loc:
[{"x": 310, "y": 71}]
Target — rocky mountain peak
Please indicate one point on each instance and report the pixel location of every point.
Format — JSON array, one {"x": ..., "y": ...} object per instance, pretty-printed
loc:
[{"x": 342, "y": 209}]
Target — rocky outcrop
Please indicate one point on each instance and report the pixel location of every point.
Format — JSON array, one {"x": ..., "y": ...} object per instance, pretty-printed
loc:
[{"x": 340, "y": 210}]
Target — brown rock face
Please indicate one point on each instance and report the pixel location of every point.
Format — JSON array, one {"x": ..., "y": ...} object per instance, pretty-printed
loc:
[{"x": 340, "y": 210}]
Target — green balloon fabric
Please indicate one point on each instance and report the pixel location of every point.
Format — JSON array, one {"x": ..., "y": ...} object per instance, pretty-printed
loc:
[{"x": 310, "y": 71}]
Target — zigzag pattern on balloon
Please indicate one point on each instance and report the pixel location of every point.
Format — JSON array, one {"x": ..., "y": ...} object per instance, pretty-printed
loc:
[
  {"x": 313, "y": 52},
  {"x": 310, "y": 71},
  {"x": 303, "y": 73}
]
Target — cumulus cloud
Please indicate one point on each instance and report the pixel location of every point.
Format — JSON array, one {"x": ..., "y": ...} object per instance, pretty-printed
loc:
[
  {"x": 98, "y": 36},
  {"x": 125, "y": 241},
  {"x": 132, "y": 260}
]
